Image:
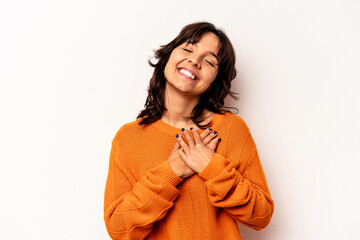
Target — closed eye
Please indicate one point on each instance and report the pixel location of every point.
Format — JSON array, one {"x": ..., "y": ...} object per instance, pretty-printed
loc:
[
  {"x": 209, "y": 63},
  {"x": 187, "y": 50}
]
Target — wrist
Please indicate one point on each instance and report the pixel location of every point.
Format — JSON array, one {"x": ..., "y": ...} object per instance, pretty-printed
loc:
[
  {"x": 175, "y": 170},
  {"x": 165, "y": 172}
]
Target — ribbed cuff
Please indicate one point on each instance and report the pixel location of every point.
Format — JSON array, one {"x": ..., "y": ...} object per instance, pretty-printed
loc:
[
  {"x": 215, "y": 167},
  {"x": 165, "y": 172}
]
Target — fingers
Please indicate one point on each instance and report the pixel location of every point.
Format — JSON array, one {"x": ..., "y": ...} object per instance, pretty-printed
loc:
[
  {"x": 188, "y": 138},
  {"x": 182, "y": 143},
  {"x": 205, "y": 133},
  {"x": 209, "y": 137},
  {"x": 214, "y": 143},
  {"x": 176, "y": 146},
  {"x": 182, "y": 154},
  {"x": 197, "y": 137}
]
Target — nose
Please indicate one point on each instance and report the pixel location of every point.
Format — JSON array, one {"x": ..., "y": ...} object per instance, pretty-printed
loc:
[{"x": 194, "y": 61}]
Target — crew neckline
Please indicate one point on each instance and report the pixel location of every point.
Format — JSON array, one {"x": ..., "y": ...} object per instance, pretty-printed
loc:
[{"x": 172, "y": 130}]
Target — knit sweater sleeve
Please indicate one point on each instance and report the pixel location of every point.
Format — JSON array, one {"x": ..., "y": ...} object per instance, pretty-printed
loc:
[
  {"x": 132, "y": 206},
  {"x": 239, "y": 185}
]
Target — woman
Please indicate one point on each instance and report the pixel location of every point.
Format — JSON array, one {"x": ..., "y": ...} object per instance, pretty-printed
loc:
[{"x": 187, "y": 169}]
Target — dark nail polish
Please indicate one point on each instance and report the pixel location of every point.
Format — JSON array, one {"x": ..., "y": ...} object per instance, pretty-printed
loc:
[
  {"x": 210, "y": 129},
  {"x": 183, "y": 129},
  {"x": 177, "y": 135},
  {"x": 215, "y": 132},
  {"x": 191, "y": 128},
  {"x": 219, "y": 139}
]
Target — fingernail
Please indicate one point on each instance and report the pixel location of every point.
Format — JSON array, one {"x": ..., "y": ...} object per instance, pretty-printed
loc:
[
  {"x": 215, "y": 132},
  {"x": 191, "y": 128},
  {"x": 183, "y": 129},
  {"x": 219, "y": 139},
  {"x": 210, "y": 129},
  {"x": 177, "y": 135}
]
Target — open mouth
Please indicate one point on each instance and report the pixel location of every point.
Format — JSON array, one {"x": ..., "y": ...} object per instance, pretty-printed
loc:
[{"x": 187, "y": 74}]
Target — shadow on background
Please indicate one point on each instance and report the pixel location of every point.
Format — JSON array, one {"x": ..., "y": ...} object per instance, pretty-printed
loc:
[{"x": 251, "y": 234}]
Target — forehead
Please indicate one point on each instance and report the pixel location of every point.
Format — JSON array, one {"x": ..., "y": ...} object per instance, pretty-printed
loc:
[{"x": 209, "y": 42}]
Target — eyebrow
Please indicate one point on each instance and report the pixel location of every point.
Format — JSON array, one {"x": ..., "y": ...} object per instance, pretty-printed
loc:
[{"x": 211, "y": 52}]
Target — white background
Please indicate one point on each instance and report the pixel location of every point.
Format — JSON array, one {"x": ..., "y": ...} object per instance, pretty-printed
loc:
[{"x": 73, "y": 72}]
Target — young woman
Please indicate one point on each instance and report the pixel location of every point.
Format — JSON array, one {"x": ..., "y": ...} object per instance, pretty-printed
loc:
[{"x": 186, "y": 168}]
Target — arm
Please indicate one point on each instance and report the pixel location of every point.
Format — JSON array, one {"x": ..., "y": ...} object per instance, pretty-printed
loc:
[
  {"x": 131, "y": 207},
  {"x": 240, "y": 190}
]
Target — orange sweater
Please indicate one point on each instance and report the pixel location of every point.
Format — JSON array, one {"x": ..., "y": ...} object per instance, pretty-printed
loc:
[{"x": 145, "y": 199}]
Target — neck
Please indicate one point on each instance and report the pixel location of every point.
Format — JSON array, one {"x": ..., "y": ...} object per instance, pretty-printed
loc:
[{"x": 178, "y": 106}]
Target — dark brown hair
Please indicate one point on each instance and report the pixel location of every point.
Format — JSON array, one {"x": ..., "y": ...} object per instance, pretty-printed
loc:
[{"x": 213, "y": 98}]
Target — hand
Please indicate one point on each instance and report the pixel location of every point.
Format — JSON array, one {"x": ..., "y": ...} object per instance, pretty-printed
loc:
[
  {"x": 195, "y": 153},
  {"x": 208, "y": 135},
  {"x": 177, "y": 164}
]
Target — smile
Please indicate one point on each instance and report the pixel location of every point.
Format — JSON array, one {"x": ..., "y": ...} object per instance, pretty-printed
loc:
[{"x": 187, "y": 73}]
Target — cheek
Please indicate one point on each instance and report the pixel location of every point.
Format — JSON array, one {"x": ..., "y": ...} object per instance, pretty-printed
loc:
[
  {"x": 166, "y": 71},
  {"x": 212, "y": 76},
  {"x": 169, "y": 70},
  {"x": 170, "y": 63},
  {"x": 176, "y": 56}
]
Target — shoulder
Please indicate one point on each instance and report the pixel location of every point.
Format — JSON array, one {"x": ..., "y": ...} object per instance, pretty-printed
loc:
[
  {"x": 234, "y": 122},
  {"x": 128, "y": 130},
  {"x": 235, "y": 129},
  {"x": 237, "y": 136}
]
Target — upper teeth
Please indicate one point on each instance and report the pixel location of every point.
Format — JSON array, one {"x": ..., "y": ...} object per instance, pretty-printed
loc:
[{"x": 187, "y": 73}]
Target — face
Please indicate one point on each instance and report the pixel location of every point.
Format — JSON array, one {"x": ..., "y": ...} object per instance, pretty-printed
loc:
[{"x": 191, "y": 68}]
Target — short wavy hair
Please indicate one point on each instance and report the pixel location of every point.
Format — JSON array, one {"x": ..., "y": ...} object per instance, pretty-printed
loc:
[{"x": 213, "y": 98}]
